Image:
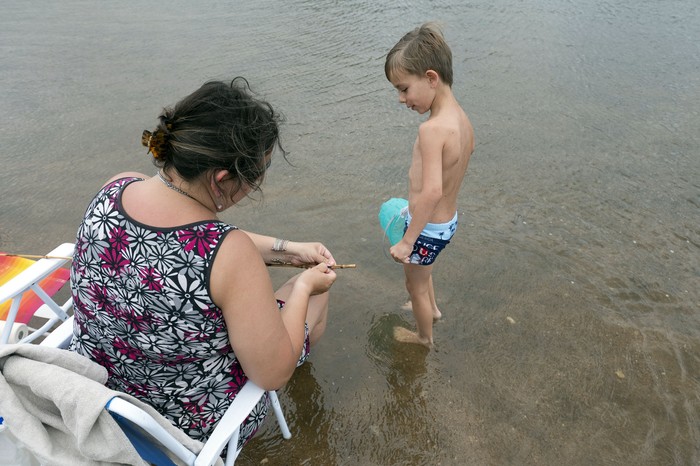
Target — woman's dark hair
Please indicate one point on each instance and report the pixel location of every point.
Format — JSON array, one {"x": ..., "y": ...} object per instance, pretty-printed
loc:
[{"x": 218, "y": 127}]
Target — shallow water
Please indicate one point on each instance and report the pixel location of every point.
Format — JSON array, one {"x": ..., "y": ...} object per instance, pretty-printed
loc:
[{"x": 571, "y": 291}]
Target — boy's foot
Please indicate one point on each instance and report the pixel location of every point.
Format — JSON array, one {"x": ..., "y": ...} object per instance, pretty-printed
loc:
[
  {"x": 403, "y": 335},
  {"x": 408, "y": 306}
]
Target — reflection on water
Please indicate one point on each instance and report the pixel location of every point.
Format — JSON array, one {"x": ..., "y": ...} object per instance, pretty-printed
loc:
[
  {"x": 412, "y": 436},
  {"x": 570, "y": 294}
]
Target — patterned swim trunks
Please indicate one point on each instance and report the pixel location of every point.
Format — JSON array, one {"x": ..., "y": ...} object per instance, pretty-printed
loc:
[{"x": 432, "y": 240}]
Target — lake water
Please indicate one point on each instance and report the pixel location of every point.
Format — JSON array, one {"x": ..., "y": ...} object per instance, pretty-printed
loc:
[{"x": 570, "y": 294}]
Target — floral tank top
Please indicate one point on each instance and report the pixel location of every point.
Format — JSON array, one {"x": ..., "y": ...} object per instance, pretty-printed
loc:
[{"x": 143, "y": 311}]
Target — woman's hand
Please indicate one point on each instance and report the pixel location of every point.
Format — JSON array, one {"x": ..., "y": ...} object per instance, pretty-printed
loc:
[
  {"x": 308, "y": 253},
  {"x": 317, "y": 279}
]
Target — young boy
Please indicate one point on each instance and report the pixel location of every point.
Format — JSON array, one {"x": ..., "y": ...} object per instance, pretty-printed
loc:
[{"x": 420, "y": 68}]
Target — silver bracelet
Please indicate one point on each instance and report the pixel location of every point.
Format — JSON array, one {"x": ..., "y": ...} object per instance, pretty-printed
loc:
[{"x": 280, "y": 245}]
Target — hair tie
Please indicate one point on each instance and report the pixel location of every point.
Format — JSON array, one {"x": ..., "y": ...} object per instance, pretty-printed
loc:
[{"x": 155, "y": 142}]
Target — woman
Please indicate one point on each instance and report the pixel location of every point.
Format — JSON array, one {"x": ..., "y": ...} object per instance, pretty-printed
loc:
[{"x": 177, "y": 305}]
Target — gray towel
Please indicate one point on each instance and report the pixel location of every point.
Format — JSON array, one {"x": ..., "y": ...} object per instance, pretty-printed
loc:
[{"x": 53, "y": 403}]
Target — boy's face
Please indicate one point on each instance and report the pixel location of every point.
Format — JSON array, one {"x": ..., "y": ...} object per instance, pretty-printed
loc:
[{"x": 416, "y": 92}]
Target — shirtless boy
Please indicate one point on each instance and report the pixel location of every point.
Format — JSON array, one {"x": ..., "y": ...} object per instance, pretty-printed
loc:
[{"x": 420, "y": 68}]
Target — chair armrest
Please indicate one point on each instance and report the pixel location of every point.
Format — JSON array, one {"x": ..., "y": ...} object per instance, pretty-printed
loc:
[
  {"x": 61, "y": 336},
  {"x": 237, "y": 412},
  {"x": 13, "y": 290},
  {"x": 146, "y": 422},
  {"x": 36, "y": 272}
]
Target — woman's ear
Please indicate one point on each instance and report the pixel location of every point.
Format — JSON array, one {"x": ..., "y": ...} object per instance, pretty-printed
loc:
[{"x": 217, "y": 177}]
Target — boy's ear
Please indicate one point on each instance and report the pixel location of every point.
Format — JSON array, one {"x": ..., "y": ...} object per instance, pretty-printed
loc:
[{"x": 433, "y": 77}]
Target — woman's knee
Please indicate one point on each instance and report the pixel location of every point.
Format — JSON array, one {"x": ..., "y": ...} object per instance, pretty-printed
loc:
[
  {"x": 316, "y": 313},
  {"x": 317, "y": 316}
]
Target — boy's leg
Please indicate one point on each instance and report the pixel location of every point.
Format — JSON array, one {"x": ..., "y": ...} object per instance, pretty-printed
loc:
[
  {"x": 436, "y": 312},
  {"x": 418, "y": 281},
  {"x": 433, "y": 303}
]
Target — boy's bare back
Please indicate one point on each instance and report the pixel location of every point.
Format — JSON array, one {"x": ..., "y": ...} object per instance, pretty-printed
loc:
[{"x": 440, "y": 158}]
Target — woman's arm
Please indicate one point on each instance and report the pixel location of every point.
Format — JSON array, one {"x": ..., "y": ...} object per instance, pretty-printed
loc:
[
  {"x": 424, "y": 198},
  {"x": 267, "y": 342},
  {"x": 293, "y": 252}
]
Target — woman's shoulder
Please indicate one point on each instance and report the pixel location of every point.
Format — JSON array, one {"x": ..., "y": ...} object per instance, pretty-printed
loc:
[
  {"x": 125, "y": 175},
  {"x": 236, "y": 248}
]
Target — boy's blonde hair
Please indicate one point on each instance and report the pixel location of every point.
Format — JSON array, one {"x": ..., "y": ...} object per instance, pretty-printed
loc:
[{"x": 421, "y": 50}]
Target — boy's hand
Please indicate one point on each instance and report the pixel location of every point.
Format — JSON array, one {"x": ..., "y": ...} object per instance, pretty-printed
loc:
[{"x": 401, "y": 252}]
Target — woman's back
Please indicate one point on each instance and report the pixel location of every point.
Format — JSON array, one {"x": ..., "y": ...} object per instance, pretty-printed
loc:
[{"x": 143, "y": 310}]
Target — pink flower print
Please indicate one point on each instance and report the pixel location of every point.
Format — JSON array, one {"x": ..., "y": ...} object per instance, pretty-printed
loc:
[
  {"x": 119, "y": 240},
  {"x": 138, "y": 390},
  {"x": 196, "y": 335},
  {"x": 236, "y": 382},
  {"x": 193, "y": 407},
  {"x": 136, "y": 321},
  {"x": 151, "y": 278},
  {"x": 99, "y": 295},
  {"x": 101, "y": 358},
  {"x": 201, "y": 240},
  {"x": 211, "y": 312},
  {"x": 112, "y": 259},
  {"x": 125, "y": 349}
]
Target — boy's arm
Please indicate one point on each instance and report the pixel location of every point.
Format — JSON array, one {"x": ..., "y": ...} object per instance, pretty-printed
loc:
[
  {"x": 431, "y": 140},
  {"x": 430, "y": 144}
]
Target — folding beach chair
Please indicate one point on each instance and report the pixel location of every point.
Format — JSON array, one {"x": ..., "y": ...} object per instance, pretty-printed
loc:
[
  {"x": 150, "y": 439},
  {"x": 27, "y": 292}
]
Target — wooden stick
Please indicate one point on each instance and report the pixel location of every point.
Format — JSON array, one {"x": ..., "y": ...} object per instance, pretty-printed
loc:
[
  {"x": 33, "y": 256},
  {"x": 306, "y": 266},
  {"x": 284, "y": 264}
]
